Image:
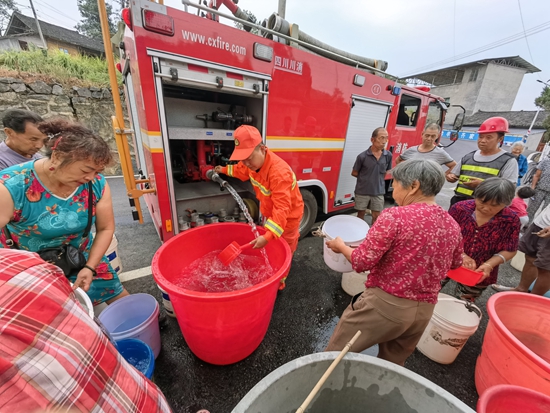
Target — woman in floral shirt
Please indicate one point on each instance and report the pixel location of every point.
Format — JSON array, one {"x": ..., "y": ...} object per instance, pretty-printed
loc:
[
  {"x": 44, "y": 204},
  {"x": 490, "y": 230},
  {"x": 408, "y": 251}
]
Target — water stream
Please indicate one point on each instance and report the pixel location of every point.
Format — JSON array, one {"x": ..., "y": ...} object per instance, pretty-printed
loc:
[{"x": 250, "y": 221}]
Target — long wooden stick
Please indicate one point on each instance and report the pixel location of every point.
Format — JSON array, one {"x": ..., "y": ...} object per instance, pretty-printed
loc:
[{"x": 322, "y": 380}]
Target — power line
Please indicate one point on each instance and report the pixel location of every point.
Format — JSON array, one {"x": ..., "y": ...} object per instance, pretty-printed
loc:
[
  {"x": 498, "y": 43},
  {"x": 56, "y": 10},
  {"x": 526, "y": 41}
]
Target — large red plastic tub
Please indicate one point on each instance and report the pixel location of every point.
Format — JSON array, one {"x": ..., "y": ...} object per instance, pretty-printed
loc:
[
  {"x": 512, "y": 399},
  {"x": 516, "y": 346},
  {"x": 220, "y": 328}
]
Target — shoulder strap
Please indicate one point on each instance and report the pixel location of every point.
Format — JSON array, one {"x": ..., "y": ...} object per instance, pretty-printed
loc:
[
  {"x": 9, "y": 240},
  {"x": 90, "y": 208}
]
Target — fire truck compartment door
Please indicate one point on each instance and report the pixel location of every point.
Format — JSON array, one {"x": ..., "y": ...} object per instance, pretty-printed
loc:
[
  {"x": 207, "y": 75},
  {"x": 365, "y": 116}
]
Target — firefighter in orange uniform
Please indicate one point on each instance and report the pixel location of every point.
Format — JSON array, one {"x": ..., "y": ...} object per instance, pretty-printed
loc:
[{"x": 274, "y": 184}]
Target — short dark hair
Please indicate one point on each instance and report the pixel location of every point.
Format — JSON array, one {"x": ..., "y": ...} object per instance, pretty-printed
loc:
[
  {"x": 499, "y": 190},
  {"x": 17, "y": 119},
  {"x": 376, "y": 131},
  {"x": 526, "y": 192}
]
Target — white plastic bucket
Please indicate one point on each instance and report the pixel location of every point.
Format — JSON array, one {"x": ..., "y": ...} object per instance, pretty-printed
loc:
[
  {"x": 449, "y": 329},
  {"x": 352, "y": 230},
  {"x": 85, "y": 301},
  {"x": 134, "y": 316},
  {"x": 168, "y": 308},
  {"x": 353, "y": 283},
  {"x": 112, "y": 255}
]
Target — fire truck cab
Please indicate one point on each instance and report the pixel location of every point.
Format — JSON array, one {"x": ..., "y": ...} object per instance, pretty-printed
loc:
[{"x": 190, "y": 81}]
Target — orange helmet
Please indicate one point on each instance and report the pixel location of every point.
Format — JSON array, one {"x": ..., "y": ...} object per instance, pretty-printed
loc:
[{"x": 496, "y": 124}]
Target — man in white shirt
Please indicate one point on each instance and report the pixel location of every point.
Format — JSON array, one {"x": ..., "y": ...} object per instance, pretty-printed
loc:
[
  {"x": 535, "y": 244},
  {"x": 429, "y": 149}
]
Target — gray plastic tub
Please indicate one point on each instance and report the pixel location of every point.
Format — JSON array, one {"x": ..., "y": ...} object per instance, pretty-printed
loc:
[{"x": 359, "y": 384}]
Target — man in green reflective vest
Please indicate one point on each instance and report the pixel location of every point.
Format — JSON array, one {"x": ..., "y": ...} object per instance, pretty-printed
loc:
[{"x": 488, "y": 161}]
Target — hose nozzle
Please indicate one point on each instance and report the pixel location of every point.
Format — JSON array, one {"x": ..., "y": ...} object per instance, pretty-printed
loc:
[{"x": 213, "y": 176}]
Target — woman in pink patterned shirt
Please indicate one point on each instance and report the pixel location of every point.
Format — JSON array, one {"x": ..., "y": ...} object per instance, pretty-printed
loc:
[{"x": 408, "y": 251}]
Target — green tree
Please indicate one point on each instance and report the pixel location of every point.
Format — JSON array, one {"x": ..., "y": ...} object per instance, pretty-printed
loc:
[
  {"x": 7, "y": 7},
  {"x": 90, "y": 24},
  {"x": 252, "y": 19},
  {"x": 543, "y": 102}
]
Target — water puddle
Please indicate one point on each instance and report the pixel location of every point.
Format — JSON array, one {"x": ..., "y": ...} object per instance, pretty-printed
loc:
[{"x": 208, "y": 274}]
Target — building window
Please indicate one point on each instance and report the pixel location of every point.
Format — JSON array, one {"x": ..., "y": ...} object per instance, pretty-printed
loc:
[
  {"x": 408, "y": 108},
  {"x": 23, "y": 45},
  {"x": 473, "y": 75},
  {"x": 64, "y": 50}
]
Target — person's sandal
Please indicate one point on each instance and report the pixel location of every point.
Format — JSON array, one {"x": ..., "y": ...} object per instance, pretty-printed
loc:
[{"x": 501, "y": 288}]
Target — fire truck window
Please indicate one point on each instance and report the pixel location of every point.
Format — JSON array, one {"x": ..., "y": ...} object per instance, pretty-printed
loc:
[
  {"x": 434, "y": 114},
  {"x": 408, "y": 106}
]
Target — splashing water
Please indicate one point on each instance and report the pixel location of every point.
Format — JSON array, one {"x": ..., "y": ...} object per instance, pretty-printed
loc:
[
  {"x": 208, "y": 274},
  {"x": 248, "y": 217}
]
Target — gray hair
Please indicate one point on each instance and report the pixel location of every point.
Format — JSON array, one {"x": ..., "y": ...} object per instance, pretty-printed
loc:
[
  {"x": 520, "y": 144},
  {"x": 433, "y": 126},
  {"x": 428, "y": 174},
  {"x": 498, "y": 190}
]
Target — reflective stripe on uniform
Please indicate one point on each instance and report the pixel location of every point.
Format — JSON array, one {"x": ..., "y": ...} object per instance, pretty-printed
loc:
[
  {"x": 229, "y": 170},
  {"x": 465, "y": 191},
  {"x": 262, "y": 188},
  {"x": 273, "y": 227},
  {"x": 483, "y": 169},
  {"x": 293, "y": 180}
]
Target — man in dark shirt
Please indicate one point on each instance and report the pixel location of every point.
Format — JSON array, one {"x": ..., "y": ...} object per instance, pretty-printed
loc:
[{"x": 370, "y": 170}]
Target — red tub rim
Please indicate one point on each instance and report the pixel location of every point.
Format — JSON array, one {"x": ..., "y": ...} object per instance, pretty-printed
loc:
[
  {"x": 163, "y": 282},
  {"x": 493, "y": 391},
  {"x": 499, "y": 325}
]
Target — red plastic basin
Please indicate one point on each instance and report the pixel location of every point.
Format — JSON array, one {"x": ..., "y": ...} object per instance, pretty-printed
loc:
[
  {"x": 220, "y": 328},
  {"x": 512, "y": 399},
  {"x": 516, "y": 346}
]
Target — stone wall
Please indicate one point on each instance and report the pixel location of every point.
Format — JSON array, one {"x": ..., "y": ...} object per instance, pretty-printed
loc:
[{"x": 92, "y": 107}]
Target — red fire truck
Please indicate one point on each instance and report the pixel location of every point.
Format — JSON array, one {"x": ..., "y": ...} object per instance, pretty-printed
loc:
[{"x": 190, "y": 81}]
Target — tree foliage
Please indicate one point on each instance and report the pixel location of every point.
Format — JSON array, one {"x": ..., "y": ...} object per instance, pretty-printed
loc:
[
  {"x": 90, "y": 25},
  {"x": 7, "y": 7},
  {"x": 543, "y": 101},
  {"x": 252, "y": 19}
]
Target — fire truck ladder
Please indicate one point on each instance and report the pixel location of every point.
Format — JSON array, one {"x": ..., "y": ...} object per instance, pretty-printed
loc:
[{"x": 119, "y": 128}]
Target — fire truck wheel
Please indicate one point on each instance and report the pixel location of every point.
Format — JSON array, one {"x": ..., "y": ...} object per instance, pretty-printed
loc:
[{"x": 310, "y": 212}]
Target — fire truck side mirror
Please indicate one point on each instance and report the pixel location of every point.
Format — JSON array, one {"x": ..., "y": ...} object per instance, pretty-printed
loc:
[
  {"x": 459, "y": 121},
  {"x": 454, "y": 136}
]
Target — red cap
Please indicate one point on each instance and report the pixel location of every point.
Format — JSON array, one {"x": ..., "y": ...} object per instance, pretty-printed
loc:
[{"x": 246, "y": 139}]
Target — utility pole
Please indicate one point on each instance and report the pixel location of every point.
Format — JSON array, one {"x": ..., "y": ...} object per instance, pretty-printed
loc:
[{"x": 38, "y": 25}]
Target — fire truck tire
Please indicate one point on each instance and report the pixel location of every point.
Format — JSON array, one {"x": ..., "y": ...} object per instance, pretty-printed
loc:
[{"x": 310, "y": 212}]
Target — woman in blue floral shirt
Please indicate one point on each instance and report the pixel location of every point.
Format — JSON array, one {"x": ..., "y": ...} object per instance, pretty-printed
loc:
[{"x": 44, "y": 204}]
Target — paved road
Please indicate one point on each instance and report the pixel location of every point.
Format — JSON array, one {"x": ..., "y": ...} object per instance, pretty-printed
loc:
[{"x": 304, "y": 316}]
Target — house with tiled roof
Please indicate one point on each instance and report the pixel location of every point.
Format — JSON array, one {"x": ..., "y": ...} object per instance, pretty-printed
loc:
[{"x": 23, "y": 32}]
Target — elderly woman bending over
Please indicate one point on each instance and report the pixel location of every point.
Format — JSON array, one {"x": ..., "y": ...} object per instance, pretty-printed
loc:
[
  {"x": 490, "y": 230},
  {"x": 408, "y": 251},
  {"x": 44, "y": 204}
]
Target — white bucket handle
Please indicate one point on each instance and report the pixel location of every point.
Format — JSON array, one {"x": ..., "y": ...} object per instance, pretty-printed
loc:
[{"x": 472, "y": 308}]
